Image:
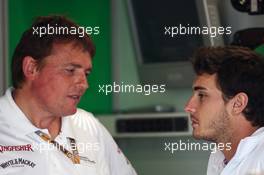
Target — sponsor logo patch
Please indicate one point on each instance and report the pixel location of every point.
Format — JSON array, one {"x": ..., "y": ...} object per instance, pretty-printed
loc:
[
  {"x": 18, "y": 162},
  {"x": 27, "y": 147}
]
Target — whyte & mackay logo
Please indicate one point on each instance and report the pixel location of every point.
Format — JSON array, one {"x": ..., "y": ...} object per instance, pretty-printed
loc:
[{"x": 18, "y": 162}]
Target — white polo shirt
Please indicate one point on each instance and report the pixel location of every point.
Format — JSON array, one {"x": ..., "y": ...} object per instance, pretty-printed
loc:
[
  {"x": 248, "y": 159},
  {"x": 24, "y": 152}
]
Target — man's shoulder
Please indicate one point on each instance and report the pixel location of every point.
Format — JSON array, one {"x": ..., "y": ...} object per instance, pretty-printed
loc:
[
  {"x": 253, "y": 163},
  {"x": 3, "y": 101},
  {"x": 249, "y": 158},
  {"x": 6, "y": 103},
  {"x": 257, "y": 154},
  {"x": 5, "y": 108}
]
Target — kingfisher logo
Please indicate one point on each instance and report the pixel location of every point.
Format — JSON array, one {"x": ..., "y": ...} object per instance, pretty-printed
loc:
[
  {"x": 27, "y": 147},
  {"x": 18, "y": 162}
]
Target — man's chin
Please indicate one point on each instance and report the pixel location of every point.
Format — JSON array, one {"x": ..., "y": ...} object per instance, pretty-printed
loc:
[
  {"x": 70, "y": 112},
  {"x": 197, "y": 135},
  {"x": 200, "y": 136}
]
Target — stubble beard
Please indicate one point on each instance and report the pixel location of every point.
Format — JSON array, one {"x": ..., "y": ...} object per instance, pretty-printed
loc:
[{"x": 220, "y": 131}]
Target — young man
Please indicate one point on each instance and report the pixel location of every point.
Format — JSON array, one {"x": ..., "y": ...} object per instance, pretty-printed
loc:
[
  {"x": 39, "y": 131},
  {"x": 227, "y": 107}
]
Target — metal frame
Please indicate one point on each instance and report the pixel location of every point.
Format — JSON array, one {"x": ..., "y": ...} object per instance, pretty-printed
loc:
[{"x": 3, "y": 46}]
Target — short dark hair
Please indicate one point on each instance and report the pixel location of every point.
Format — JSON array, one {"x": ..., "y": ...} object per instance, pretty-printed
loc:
[
  {"x": 238, "y": 69},
  {"x": 38, "y": 47}
]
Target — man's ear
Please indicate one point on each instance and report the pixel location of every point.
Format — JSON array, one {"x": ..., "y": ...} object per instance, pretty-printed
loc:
[
  {"x": 240, "y": 102},
  {"x": 30, "y": 67}
]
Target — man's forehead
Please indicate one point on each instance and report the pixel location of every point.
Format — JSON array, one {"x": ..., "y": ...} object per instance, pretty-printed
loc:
[
  {"x": 70, "y": 50},
  {"x": 205, "y": 82},
  {"x": 69, "y": 54},
  {"x": 67, "y": 46}
]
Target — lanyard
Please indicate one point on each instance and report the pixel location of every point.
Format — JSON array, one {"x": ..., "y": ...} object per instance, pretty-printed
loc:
[{"x": 74, "y": 156}]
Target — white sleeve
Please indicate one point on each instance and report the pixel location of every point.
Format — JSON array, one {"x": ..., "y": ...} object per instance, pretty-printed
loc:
[{"x": 114, "y": 159}]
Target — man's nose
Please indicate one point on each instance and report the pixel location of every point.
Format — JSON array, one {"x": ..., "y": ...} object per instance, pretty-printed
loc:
[
  {"x": 189, "y": 107},
  {"x": 83, "y": 82}
]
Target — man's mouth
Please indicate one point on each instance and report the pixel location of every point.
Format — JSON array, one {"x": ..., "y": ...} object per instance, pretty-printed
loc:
[
  {"x": 195, "y": 121},
  {"x": 75, "y": 97}
]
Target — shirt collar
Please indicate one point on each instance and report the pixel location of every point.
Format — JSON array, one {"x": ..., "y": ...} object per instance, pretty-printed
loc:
[
  {"x": 248, "y": 144},
  {"x": 245, "y": 146}
]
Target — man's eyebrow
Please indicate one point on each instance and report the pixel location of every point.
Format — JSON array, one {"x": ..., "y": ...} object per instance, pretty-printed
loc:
[
  {"x": 196, "y": 88},
  {"x": 78, "y": 66}
]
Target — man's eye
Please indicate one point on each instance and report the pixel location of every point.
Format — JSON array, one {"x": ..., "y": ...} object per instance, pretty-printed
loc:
[
  {"x": 201, "y": 96},
  {"x": 87, "y": 74},
  {"x": 70, "y": 70}
]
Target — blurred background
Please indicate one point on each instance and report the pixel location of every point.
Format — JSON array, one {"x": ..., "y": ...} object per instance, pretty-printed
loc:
[{"x": 133, "y": 48}]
